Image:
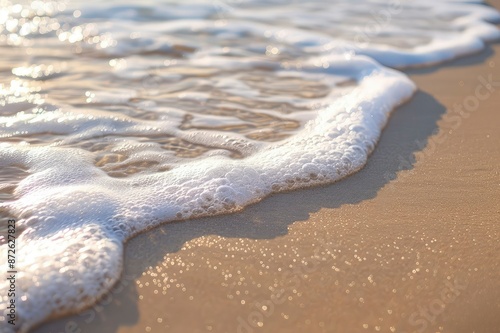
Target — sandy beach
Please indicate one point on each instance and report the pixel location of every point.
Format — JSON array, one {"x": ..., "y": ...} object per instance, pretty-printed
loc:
[{"x": 408, "y": 244}]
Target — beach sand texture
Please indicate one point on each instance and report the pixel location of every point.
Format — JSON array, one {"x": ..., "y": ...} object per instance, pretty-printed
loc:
[{"x": 408, "y": 244}]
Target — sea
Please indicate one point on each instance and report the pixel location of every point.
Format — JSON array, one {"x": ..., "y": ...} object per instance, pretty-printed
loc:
[{"x": 117, "y": 116}]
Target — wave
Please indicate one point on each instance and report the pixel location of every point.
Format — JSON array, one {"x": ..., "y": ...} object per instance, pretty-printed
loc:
[{"x": 123, "y": 116}]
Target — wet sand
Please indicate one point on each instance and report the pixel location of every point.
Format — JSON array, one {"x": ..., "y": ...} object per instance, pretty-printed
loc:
[{"x": 408, "y": 244}]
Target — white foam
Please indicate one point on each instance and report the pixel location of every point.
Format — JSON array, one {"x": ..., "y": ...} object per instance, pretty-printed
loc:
[
  {"x": 80, "y": 215},
  {"x": 77, "y": 216},
  {"x": 443, "y": 30}
]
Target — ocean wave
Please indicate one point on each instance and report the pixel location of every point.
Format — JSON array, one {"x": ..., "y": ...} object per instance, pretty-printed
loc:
[{"x": 118, "y": 117}]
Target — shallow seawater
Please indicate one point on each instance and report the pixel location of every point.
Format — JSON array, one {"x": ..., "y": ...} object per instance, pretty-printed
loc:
[{"x": 118, "y": 116}]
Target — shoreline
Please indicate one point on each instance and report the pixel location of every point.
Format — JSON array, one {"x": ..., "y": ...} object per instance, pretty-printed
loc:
[{"x": 421, "y": 218}]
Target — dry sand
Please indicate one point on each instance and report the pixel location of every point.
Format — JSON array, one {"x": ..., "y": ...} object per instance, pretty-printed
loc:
[{"x": 408, "y": 244}]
